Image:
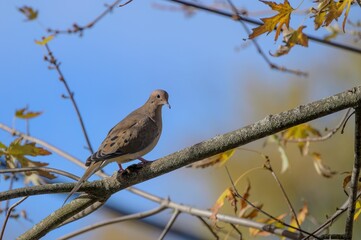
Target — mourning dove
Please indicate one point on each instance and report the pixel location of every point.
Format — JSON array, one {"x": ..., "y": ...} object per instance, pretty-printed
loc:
[{"x": 134, "y": 136}]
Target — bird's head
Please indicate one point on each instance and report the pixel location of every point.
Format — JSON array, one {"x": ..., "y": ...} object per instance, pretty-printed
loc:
[{"x": 159, "y": 98}]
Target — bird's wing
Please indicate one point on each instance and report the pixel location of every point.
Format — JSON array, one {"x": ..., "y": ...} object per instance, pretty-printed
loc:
[{"x": 122, "y": 139}]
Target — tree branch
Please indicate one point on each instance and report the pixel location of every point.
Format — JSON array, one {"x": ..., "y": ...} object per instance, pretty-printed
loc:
[
  {"x": 257, "y": 22},
  {"x": 55, "y": 64},
  {"x": 268, "y": 126},
  {"x": 169, "y": 224},
  {"x": 116, "y": 220},
  {"x": 355, "y": 176}
]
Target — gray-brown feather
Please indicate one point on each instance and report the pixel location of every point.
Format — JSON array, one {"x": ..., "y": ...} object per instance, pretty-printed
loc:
[{"x": 131, "y": 135}]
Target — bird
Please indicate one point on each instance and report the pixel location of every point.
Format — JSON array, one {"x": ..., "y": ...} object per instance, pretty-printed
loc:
[{"x": 130, "y": 139}]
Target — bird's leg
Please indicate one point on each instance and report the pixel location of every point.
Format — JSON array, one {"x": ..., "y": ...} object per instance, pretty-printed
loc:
[
  {"x": 143, "y": 160},
  {"x": 120, "y": 168}
]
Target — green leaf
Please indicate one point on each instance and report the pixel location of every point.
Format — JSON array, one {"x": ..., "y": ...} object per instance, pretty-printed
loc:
[
  {"x": 2, "y": 145},
  {"x": 25, "y": 114},
  {"x": 16, "y": 149}
]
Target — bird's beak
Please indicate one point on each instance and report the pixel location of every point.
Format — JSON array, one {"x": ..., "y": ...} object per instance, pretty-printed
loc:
[{"x": 168, "y": 105}]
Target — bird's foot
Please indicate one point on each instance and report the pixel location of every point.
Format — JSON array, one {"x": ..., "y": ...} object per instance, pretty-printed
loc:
[
  {"x": 143, "y": 160},
  {"x": 120, "y": 168}
]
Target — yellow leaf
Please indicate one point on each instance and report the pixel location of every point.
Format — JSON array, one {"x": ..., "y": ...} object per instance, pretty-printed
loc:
[
  {"x": 29, "y": 12},
  {"x": 45, "y": 40},
  {"x": 24, "y": 114},
  {"x": 268, "y": 221},
  {"x": 330, "y": 10},
  {"x": 321, "y": 168},
  {"x": 297, "y": 37},
  {"x": 219, "y": 159},
  {"x": 269, "y": 24},
  {"x": 229, "y": 195},
  {"x": 301, "y": 216},
  {"x": 301, "y": 131}
]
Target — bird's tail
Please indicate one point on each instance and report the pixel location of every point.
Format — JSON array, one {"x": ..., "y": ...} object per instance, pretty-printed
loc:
[{"x": 95, "y": 166}]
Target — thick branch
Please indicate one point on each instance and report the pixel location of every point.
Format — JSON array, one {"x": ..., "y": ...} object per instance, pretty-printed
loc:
[
  {"x": 355, "y": 176},
  {"x": 268, "y": 126}
]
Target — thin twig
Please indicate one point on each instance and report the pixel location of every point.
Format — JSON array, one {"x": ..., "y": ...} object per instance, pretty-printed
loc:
[
  {"x": 237, "y": 230},
  {"x": 268, "y": 166},
  {"x": 256, "y": 22},
  {"x": 354, "y": 176},
  {"x": 116, "y": 220},
  {"x": 208, "y": 227},
  {"x": 80, "y": 29},
  {"x": 34, "y": 169},
  {"x": 47, "y": 145},
  {"x": 332, "y": 219},
  {"x": 11, "y": 184},
  {"x": 8, "y": 213},
  {"x": 56, "y": 65},
  {"x": 341, "y": 124},
  {"x": 169, "y": 224},
  {"x": 262, "y": 211},
  {"x": 344, "y": 125}
]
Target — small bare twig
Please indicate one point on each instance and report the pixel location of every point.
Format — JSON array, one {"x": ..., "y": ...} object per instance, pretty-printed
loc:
[
  {"x": 262, "y": 211},
  {"x": 268, "y": 166},
  {"x": 8, "y": 213},
  {"x": 34, "y": 169},
  {"x": 126, "y": 3},
  {"x": 47, "y": 145},
  {"x": 332, "y": 219},
  {"x": 169, "y": 224},
  {"x": 341, "y": 124},
  {"x": 11, "y": 184},
  {"x": 208, "y": 227},
  {"x": 56, "y": 65},
  {"x": 237, "y": 230},
  {"x": 80, "y": 29},
  {"x": 344, "y": 125},
  {"x": 116, "y": 220}
]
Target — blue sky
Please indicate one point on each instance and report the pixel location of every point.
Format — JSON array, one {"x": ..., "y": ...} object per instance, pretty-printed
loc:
[{"x": 113, "y": 68}]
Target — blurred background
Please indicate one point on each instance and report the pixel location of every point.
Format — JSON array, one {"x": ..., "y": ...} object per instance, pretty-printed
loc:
[{"x": 217, "y": 83}]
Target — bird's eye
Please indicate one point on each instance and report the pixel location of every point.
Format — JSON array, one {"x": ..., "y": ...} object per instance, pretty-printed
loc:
[{"x": 158, "y": 96}]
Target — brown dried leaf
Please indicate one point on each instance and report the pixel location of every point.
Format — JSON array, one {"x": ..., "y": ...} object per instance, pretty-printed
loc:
[
  {"x": 321, "y": 168},
  {"x": 29, "y": 13},
  {"x": 228, "y": 195}
]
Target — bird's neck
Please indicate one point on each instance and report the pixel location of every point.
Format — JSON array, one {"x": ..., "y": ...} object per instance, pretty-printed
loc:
[{"x": 155, "y": 113}]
